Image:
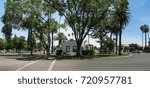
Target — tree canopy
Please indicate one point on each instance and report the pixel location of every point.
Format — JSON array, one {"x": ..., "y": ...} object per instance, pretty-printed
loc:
[{"x": 96, "y": 17}]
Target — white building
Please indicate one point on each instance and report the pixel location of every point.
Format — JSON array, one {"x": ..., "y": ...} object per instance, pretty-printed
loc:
[{"x": 69, "y": 48}]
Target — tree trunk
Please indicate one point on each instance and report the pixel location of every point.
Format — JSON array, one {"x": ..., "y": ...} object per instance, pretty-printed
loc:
[
  {"x": 79, "y": 49},
  {"x": 30, "y": 41},
  {"x": 47, "y": 51},
  {"x": 101, "y": 44},
  {"x": 111, "y": 35},
  {"x": 100, "y": 47},
  {"x": 145, "y": 39},
  {"x": 142, "y": 42},
  {"x": 48, "y": 45},
  {"x": 59, "y": 43},
  {"x": 31, "y": 52},
  {"x": 116, "y": 43},
  {"x": 49, "y": 38},
  {"x": 110, "y": 38},
  {"x": 52, "y": 42},
  {"x": 120, "y": 38},
  {"x": 148, "y": 40}
]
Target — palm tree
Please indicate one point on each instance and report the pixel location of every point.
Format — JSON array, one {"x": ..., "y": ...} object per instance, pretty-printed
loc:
[
  {"x": 145, "y": 29},
  {"x": 115, "y": 31},
  {"x": 122, "y": 18},
  {"x": 60, "y": 37},
  {"x": 142, "y": 28}
]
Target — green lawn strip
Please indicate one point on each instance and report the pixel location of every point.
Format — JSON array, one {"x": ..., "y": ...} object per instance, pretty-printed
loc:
[
  {"x": 90, "y": 57},
  {"x": 37, "y": 56},
  {"x": 109, "y": 56},
  {"x": 60, "y": 57},
  {"x": 73, "y": 57}
]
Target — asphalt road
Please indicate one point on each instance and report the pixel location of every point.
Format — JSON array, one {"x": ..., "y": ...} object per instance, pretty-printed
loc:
[
  {"x": 17, "y": 63},
  {"x": 136, "y": 62}
]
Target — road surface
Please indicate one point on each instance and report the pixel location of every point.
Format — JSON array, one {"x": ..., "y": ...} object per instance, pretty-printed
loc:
[{"x": 136, "y": 62}]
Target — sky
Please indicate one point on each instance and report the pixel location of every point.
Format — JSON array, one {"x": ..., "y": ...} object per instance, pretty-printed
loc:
[{"x": 140, "y": 15}]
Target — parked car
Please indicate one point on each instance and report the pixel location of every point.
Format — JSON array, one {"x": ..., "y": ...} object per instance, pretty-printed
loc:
[{"x": 136, "y": 51}]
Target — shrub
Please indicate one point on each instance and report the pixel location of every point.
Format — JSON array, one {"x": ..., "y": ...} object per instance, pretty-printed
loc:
[{"x": 88, "y": 52}]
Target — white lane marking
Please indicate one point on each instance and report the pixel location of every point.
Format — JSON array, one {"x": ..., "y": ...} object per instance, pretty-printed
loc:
[
  {"x": 51, "y": 65},
  {"x": 27, "y": 65}
]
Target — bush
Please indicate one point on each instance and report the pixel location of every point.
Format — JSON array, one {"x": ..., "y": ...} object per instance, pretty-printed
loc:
[
  {"x": 58, "y": 52},
  {"x": 88, "y": 52}
]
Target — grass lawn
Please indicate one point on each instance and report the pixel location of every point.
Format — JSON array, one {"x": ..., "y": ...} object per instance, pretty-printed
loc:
[
  {"x": 110, "y": 55},
  {"x": 36, "y": 56},
  {"x": 42, "y": 56}
]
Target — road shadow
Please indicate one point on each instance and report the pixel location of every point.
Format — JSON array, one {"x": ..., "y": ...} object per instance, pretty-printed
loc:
[
  {"x": 22, "y": 58},
  {"x": 18, "y": 57},
  {"x": 5, "y": 55},
  {"x": 30, "y": 58}
]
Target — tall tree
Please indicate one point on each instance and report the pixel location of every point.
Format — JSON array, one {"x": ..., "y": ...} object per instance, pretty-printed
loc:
[
  {"x": 149, "y": 42},
  {"x": 27, "y": 24},
  {"x": 122, "y": 15},
  {"x": 142, "y": 29},
  {"x": 101, "y": 30},
  {"x": 34, "y": 16},
  {"x": 115, "y": 30},
  {"x": 6, "y": 18},
  {"x": 145, "y": 29},
  {"x": 81, "y": 16}
]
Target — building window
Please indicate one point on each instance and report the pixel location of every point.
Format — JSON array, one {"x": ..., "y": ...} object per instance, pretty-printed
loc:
[
  {"x": 67, "y": 48},
  {"x": 74, "y": 48}
]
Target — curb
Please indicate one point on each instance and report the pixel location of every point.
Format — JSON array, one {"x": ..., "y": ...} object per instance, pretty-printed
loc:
[
  {"x": 50, "y": 58},
  {"x": 114, "y": 57}
]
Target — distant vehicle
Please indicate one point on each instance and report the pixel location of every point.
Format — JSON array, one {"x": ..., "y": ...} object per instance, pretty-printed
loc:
[{"x": 136, "y": 51}]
